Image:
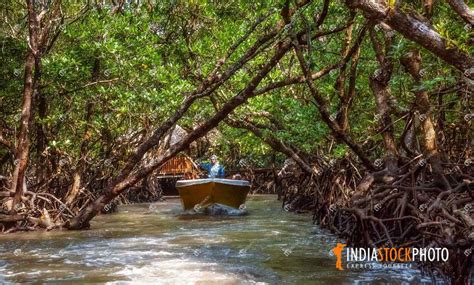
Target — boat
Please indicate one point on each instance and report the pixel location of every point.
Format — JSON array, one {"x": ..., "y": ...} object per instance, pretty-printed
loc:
[{"x": 201, "y": 193}]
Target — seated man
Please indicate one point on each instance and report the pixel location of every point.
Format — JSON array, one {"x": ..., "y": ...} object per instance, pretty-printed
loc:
[{"x": 214, "y": 169}]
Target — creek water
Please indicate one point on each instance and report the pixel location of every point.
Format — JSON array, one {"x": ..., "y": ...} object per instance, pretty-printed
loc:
[{"x": 156, "y": 243}]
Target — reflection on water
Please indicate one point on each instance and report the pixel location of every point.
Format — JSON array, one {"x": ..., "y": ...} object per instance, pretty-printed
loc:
[{"x": 157, "y": 244}]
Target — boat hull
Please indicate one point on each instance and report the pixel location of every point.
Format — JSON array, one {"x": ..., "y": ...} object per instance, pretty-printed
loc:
[{"x": 205, "y": 192}]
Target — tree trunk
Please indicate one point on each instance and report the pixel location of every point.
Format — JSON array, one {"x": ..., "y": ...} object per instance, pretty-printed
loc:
[
  {"x": 340, "y": 84},
  {"x": 379, "y": 84},
  {"x": 29, "y": 86},
  {"x": 77, "y": 179},
  {"x": 23, "y": 138},
  {"x": 415, "y": 30},
  {"x": 466, "y": 13},
  {"x": 412, "y": 64}
]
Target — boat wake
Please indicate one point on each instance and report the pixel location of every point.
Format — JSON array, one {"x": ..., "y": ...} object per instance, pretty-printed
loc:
[
  {"x": 223, "y": 210},
  {"x": 217, "y": 210}
]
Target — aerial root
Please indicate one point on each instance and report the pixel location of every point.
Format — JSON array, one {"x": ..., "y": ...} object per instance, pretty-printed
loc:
[{"x": 407, "y": 212}]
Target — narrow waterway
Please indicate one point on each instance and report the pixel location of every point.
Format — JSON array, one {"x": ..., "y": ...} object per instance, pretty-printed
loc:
[{"x": 156, "y": 243}]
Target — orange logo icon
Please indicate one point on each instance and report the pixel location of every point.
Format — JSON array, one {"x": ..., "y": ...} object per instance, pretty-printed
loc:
[{"x": 338, "y": 253}]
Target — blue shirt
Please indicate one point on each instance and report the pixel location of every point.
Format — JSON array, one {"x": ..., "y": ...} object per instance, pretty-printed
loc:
[{"x": 213, "y": 170}]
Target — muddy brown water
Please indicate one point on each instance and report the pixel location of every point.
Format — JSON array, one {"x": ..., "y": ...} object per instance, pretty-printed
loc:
[{"x": 158, "y": 244}]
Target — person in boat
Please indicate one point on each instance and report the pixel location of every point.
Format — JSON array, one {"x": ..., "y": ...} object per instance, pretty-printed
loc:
[{"x": 214, "y": 169}]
